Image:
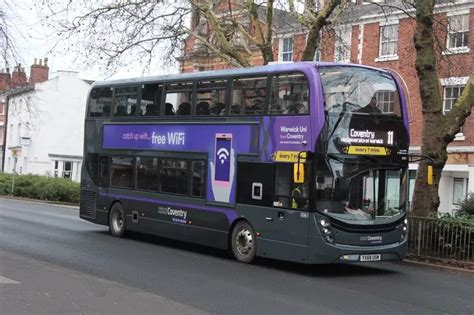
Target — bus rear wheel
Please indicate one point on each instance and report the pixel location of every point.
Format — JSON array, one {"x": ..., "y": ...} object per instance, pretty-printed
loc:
[
  {"x": 117, "y": 220},
  {"x": 243, "y": 242}
]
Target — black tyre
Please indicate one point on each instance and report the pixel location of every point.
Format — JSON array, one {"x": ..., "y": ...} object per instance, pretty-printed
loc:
[
  {"x": 117, "y": 220},
  {"x": 243, "y": 242}
]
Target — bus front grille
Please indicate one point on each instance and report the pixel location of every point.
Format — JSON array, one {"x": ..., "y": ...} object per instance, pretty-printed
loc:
[{"x": 87, "y": 206}]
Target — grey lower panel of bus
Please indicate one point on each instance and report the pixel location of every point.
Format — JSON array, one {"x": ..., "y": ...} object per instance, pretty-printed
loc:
[{"x": 285, "y": 234}]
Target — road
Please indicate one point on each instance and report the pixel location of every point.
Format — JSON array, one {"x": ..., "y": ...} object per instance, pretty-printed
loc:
[{"x": 209, "y": 281}]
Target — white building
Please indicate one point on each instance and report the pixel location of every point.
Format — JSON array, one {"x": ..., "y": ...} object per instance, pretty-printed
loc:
[{"x": 45, "y": 127}]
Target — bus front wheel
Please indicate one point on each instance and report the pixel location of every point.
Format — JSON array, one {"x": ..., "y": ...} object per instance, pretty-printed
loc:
[
  {"x": 243, "y": 242},
  {"x": 117, "y": 220}
]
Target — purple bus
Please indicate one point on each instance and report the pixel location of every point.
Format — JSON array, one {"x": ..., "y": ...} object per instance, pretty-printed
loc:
[{"x": 305, "y": 162}]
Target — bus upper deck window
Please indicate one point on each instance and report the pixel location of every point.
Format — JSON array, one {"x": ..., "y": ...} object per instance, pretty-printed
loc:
[
  {"x": 178, "y": 99},
  {"x": 126, "y": 101},
  {"x": 290, "y": 93},
  {"x": 100, "y": 102},
  {"x": 211, "y": 98},
  {"x": 151, "y": 100},
  {"x": 249, "y": 96}
]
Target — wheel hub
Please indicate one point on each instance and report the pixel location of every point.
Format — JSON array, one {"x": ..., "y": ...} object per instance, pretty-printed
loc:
[{"x": 244, "y": 242}]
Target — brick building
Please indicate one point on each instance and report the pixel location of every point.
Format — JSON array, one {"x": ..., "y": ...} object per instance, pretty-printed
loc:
[{"x": 383, "y": 37}]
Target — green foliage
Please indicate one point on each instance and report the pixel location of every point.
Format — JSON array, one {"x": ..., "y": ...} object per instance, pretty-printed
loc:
[
  {"x": 460, "y": 219},
  {"x": 41, "y": 187},
  {"x": 467, "y": 205}
]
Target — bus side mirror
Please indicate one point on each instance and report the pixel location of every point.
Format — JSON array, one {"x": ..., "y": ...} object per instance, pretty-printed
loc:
[
  {"x": 430, "y": 175},
  {"x": 298, "y": 173}
]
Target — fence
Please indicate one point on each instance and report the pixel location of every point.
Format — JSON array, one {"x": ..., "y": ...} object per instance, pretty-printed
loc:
[{"x": 440, "y": 238}]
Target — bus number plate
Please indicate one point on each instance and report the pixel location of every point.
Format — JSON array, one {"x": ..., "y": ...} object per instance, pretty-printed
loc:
[{"x": 373, "y": 257}]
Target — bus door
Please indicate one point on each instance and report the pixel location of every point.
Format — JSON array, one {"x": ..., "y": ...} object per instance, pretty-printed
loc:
[
  {"x": 281, "y": 219},
  {"x": 103, "y": 181}
]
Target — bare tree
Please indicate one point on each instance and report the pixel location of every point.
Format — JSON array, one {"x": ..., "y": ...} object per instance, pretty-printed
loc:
[
  {"x": 115, "y": 31},
  {"x": 8, "y": 52}
]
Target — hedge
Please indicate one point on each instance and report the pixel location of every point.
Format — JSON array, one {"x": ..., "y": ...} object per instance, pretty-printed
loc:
[{"x": 41, "y": 187}]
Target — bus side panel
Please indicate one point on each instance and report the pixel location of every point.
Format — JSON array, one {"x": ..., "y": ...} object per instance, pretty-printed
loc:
[
  {"x": 283, "y": 232},
  {"x": 172, "y": 217}
]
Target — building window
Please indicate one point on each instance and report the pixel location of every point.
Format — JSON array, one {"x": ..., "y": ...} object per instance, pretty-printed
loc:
[
  {"x": 459, "y": 190},
  {"x": 56, "y": 167},
  {"x": 67, "y": 169},
  {"x": 388, "y": 40},
  {"x": 451, "y": 94},
  {"x": 342, "y": 44},
  {"x": 286, "y": 49},
  {"x": 458, "y": 31}
]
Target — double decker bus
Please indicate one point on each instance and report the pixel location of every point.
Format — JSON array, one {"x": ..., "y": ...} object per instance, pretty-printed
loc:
[{"x": 305, "y": 162}]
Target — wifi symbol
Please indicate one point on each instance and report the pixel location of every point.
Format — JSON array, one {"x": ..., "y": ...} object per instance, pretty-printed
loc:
[{"x": 223, "y": 154}]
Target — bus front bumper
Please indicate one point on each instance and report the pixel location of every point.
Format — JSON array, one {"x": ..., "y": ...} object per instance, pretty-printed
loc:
[{"x": 322, "y": 252}]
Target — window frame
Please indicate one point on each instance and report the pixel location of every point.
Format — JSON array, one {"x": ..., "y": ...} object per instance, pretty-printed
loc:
[
  {"x": 382, "y": 42},
  {"x": 465, "y": 184},
  {"x": 114, "y": 103},
  {"x": 267, "y": 96},
  {"x": 109, "y": 166},
  {"x": 465, "y": 31},
  {"x": 453, "y": 82},
  {"x": 89, "y": 100},
  {"x": 339, "y": 42},
  {"x": 271, "y": 78},
  {"x": 282, "y": 52}
]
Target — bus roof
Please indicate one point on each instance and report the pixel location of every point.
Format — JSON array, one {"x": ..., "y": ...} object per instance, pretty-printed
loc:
[{"x": 268, "y": 69}]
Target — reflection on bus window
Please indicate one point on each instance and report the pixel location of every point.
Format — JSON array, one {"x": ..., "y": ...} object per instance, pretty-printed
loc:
[
  {"x": 147, "y": 173},
  {"x": 360, "y": 91},
  {"x": 290, "y": 93},
  {"x": 211, "y": 98},
  {"x": 150, "y": 101},
  {"x": 349, "y": 188},
  {"x": 174, "y": 176},
  {"x": 100, "y": 102},
  {"x": 198, "y": 169},
  {"x": 249, "y": 95},
  {"x": 121, "y": 172},
  {"x": 126, "y": 101}
]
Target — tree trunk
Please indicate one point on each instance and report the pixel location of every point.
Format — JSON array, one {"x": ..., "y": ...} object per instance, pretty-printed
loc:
[{"x": 438, "y": 129}]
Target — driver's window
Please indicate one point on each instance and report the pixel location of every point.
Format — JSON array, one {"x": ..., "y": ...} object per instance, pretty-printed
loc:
[{"x": 289, "y": 194}]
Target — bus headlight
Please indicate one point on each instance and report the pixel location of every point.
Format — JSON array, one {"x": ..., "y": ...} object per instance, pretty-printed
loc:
[
  {"x": 324, "y": 223},
  {"x": 405, "y": 228}
]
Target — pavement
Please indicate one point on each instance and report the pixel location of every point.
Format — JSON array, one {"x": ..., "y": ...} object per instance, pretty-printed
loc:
[
  {"x": 28, "y": 286},
  {"x": 66, "y": 265}
]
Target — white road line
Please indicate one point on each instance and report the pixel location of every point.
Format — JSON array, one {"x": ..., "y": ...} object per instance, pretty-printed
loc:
[{"x": 5, "y": 280}]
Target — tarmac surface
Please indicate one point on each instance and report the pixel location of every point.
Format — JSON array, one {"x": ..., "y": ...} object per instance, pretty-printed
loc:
[{"x": 51, "y": 262}]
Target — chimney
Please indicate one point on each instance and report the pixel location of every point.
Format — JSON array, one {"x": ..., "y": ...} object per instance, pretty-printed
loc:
[
  {"x": 18, "y": 77},
  {"x": 39, "y": 71},
  {"x": 5, "y": 80}
]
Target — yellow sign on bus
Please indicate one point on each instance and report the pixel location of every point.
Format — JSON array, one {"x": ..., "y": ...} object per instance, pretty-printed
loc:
[
  {"x": 290, "y": 156},
  {"x": 367, "y": 150}
]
